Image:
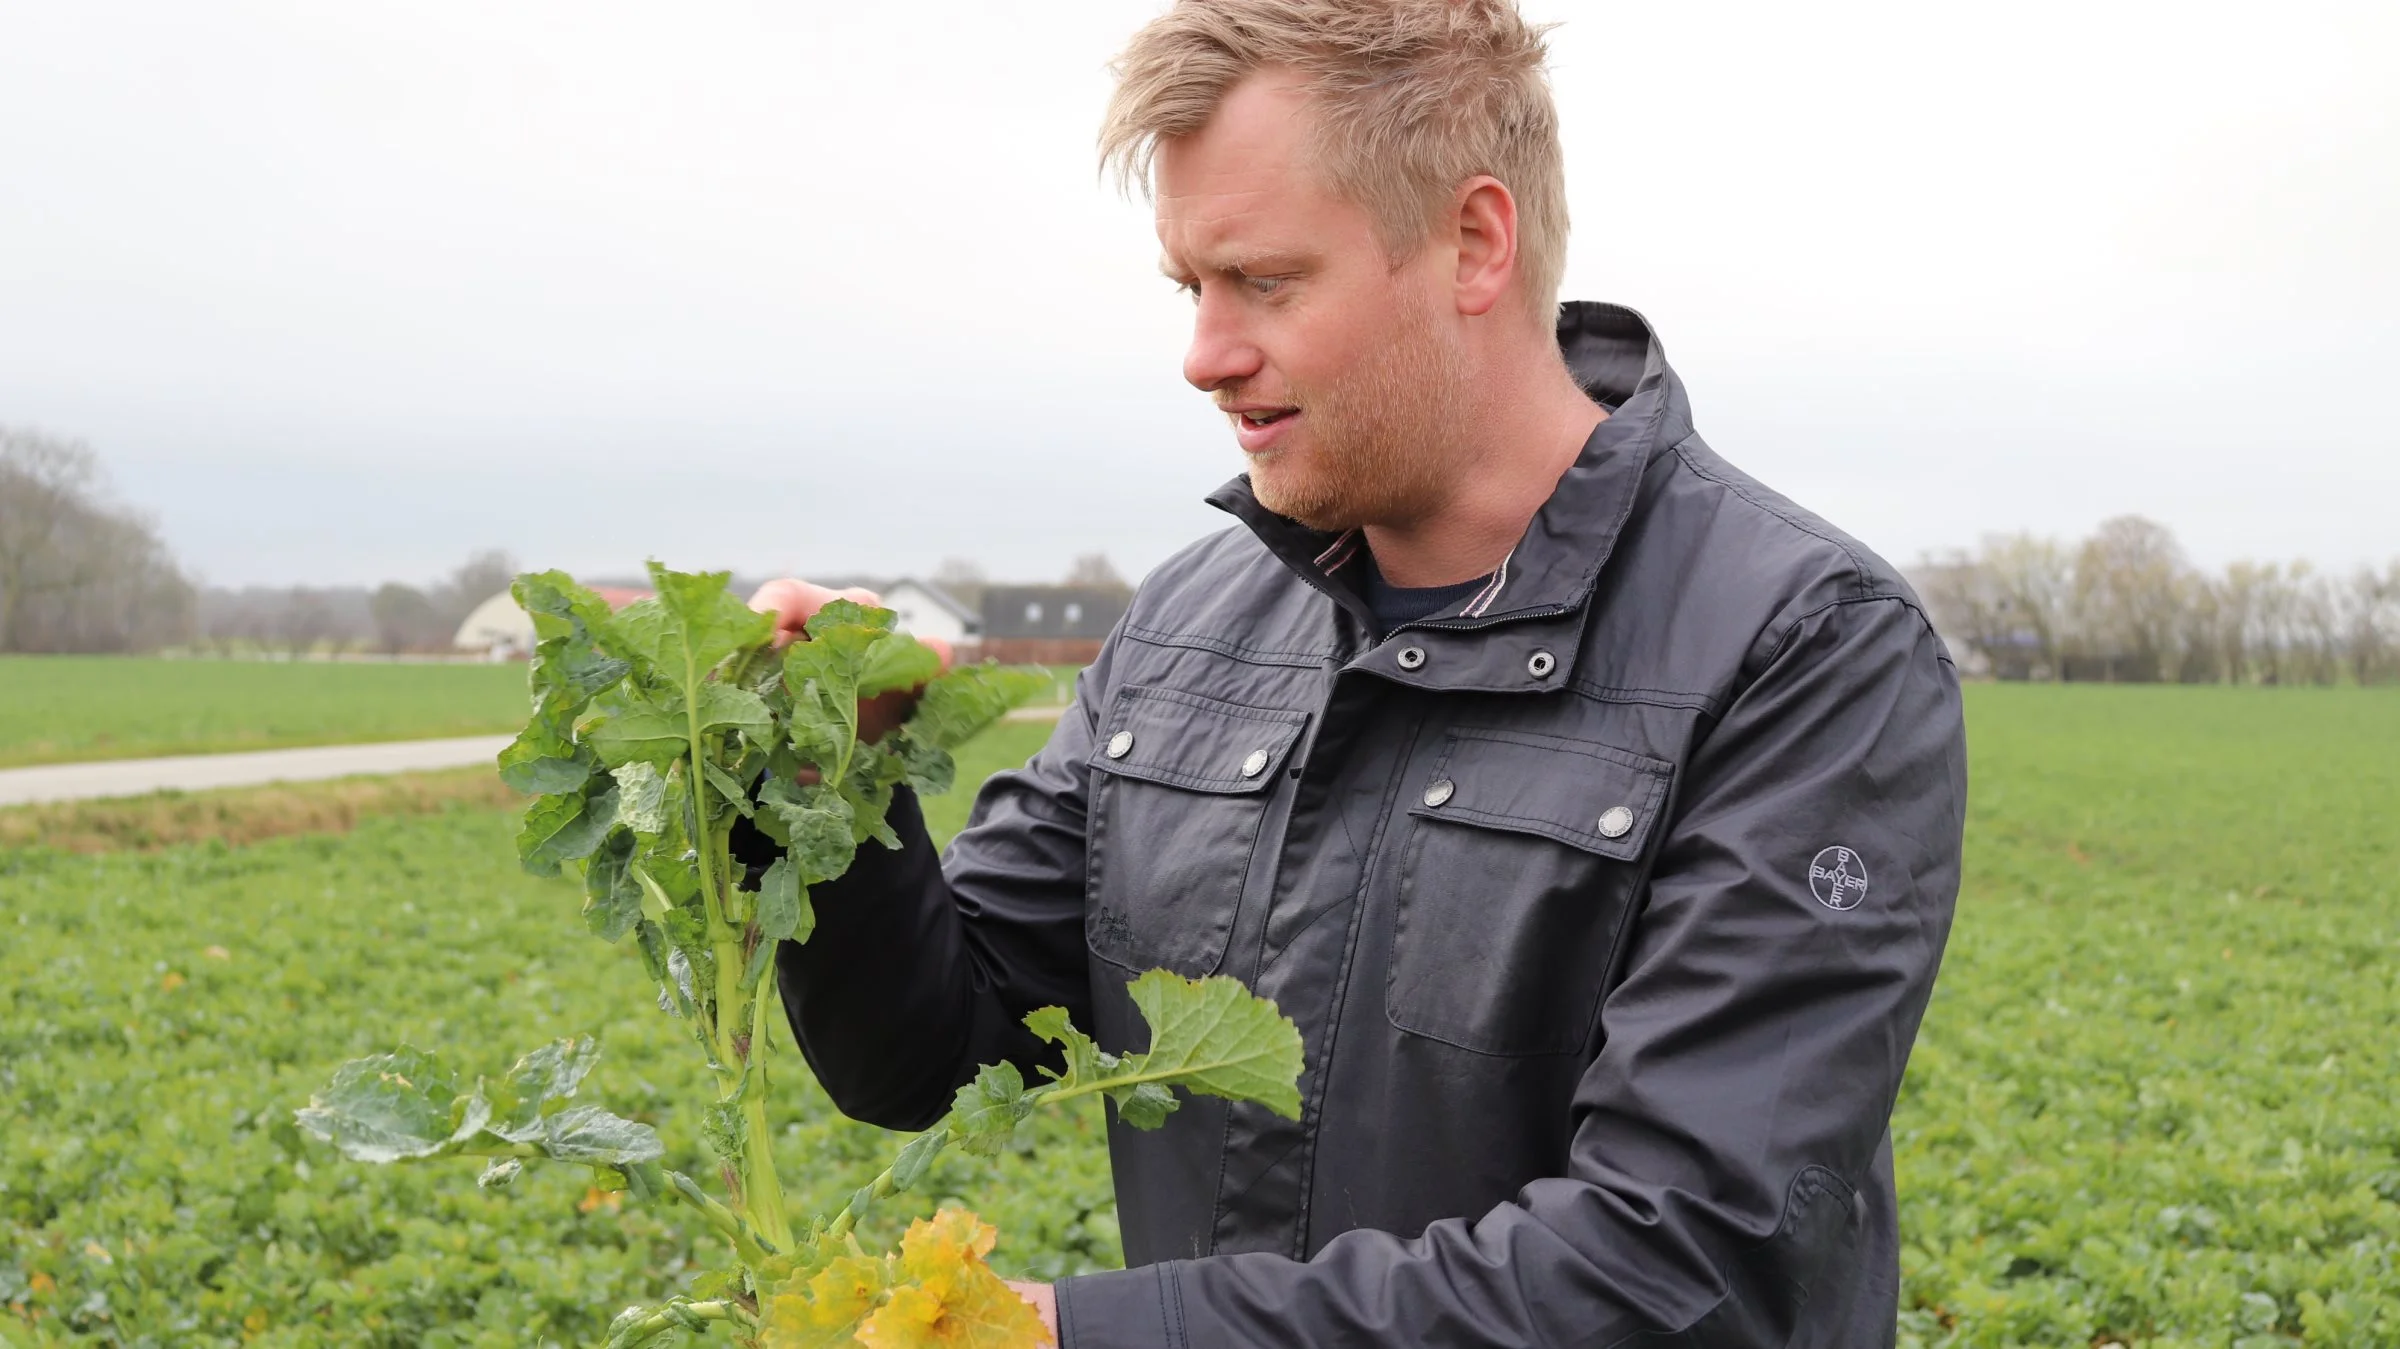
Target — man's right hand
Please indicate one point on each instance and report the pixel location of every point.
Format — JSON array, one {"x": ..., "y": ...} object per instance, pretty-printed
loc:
[{"x": 794, "y": 602}]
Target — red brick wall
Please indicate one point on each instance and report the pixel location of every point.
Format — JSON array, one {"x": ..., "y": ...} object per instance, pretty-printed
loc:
[{"x": 1034, "y": 650}]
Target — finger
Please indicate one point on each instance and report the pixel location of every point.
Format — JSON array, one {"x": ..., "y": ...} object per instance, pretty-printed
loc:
[
  {"x": 941, "y": 648},
  {"x": 793, "y": 602}
]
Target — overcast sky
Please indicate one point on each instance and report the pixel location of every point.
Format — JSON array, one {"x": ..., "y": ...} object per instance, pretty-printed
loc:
[{"x": 340, "y": 292}]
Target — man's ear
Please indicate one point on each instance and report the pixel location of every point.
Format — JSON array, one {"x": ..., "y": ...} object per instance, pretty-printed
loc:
[{"x": 1485, "y": 216}]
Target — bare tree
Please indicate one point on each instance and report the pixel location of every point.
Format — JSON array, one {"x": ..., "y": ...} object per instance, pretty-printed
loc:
[
  {"x": 78, "y": 573},
  {"x": 404, "y": 618},
  {"x": 963, "y": 579},
  {"x": 1097, "y": 572},
  {"x": 483, "y": 575},
  {"x": 2130, "y": 582}
]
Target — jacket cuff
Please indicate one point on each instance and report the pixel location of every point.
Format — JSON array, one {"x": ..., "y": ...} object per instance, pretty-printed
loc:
[{"x": 1122, "y": 1309}]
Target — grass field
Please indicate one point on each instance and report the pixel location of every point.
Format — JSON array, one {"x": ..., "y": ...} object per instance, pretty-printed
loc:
[
  {"x": 61, "y": 709},
  {"x": 2154, "y": 1103}
]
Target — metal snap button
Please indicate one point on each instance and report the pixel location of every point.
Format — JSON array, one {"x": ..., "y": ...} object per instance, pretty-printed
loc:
[
  {"x": 1412, "y": 657},
  {"x": 1616, "y": 822},
  {"x": 1440, "y": 792},
  {"x": 1255, "y": 764},
  {"x": 1120, "y": 744},
  {"x": 1541, "y": 664}
]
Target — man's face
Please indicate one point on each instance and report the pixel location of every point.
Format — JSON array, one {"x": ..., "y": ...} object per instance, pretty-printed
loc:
[{"x": 1334, "y": 365}]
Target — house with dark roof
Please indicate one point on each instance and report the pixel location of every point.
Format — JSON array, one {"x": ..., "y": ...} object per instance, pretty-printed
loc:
[{"x": 1049, "y": 625}]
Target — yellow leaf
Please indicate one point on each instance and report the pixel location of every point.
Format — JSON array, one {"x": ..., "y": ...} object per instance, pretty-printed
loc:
[
  {"x": 825, "y": 1311},
  {"x": 171, "y": 981},
  {"x": 952, "y": 1299},
  {"x": 217, "y": 953}
]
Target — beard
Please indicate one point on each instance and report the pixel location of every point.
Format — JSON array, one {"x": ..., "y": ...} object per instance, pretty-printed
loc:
[{"x": 1376, "y": 447}]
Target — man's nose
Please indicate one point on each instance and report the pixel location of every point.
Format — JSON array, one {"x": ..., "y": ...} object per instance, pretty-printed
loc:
[{"x": 1222, "y": 352}]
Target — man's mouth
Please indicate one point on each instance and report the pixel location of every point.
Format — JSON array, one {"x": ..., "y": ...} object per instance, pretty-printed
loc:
[{"x": 1260, "y": 429}]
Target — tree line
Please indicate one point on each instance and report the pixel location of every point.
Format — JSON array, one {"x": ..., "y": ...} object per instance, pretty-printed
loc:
[
  {"x": 80, "y": 572},
  {"x": 2127, "y": 606}
]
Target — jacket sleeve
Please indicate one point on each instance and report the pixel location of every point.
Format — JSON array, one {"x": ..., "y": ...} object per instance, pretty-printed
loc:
[
  {"x": 921, "y": 969},
  {"x": 1724, "y": 1135}
]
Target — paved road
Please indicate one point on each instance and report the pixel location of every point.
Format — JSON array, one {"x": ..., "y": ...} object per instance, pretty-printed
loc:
[{"x": 199, "y": 772}]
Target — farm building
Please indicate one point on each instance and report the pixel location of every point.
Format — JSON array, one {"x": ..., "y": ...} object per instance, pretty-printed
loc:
[
  {"x": 1049, "y": 625},
  {"x": 927, "y": 610}
]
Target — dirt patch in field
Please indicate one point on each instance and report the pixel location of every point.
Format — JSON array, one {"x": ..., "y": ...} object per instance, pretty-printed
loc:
[{"x": 242, "y": 815}]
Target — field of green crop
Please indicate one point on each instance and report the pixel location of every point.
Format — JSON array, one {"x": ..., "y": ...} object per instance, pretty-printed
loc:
[
  {"x": 2157, "y": 1101},
  {"x": 60, "y": 709}
]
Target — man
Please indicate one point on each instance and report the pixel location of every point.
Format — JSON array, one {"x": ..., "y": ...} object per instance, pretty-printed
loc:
[{"x": 1593, "y": 810}]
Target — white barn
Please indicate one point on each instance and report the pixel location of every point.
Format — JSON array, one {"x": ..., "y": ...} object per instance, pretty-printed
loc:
[{"x": 925, "y": 610}]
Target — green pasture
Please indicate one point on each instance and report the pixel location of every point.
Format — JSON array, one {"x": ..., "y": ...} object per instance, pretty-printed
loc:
[
  {"x": 2156, "y": 1102},
  {"x": 60, "y": 709}
]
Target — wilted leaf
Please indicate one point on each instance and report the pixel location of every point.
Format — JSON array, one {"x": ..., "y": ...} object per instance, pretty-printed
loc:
[
  {"x": 389, "y": 1107},
  {"x": 587, "y": 1133},
  {"x": 945, "y": 1295},
  {"x": 550, "y": 1073}
]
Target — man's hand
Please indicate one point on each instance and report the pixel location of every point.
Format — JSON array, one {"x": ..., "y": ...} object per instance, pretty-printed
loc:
[
  {"x": 794, "y": 602},
  {"x": 1044, "y": 1300}
]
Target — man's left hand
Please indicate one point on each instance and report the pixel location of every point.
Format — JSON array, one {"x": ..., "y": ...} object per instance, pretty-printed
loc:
[{"x": 1044, "y": 1300}]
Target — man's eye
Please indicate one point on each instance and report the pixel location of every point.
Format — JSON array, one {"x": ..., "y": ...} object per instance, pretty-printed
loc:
[{"x": 1264, "y": 285}]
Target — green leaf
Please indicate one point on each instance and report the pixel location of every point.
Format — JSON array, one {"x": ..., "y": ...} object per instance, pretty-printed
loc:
[
  {"x": 1214, "y": 1037},
  {"x": 896, "y": 661},
  {"x": 815, "y": 826},
  {"x": 729, "y": 790},
  {"x": 566, "y": 618},
  {"x": 984, "y": 1115},
  {"x": 390, "y": 1107},
  {"x": 612, "y": 894},
  {"x": 692, "y": 623},
  {"x": 641, "y": 797},
  {"x": 725, "y": 705},
  {"x": 961, "y": 703},
  {"x": 540, "y": 762},
  {"x": 1209, "y": 1036},
  {"x": 783, "y": 908},
  {"x": 564, "y": 828},
  {"x": 931, "y": 771},
  {"x": 916, "y": 1158},
  {"x": 648, "y": 735},
  {"x": 500, "y": 1174}
]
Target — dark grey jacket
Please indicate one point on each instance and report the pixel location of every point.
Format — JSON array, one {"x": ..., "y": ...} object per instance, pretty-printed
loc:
[{"x": 1607, "y": 903}]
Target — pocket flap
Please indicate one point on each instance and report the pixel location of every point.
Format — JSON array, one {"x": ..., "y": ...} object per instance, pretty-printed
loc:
[
  {"x": 1591, "y": 796},
  {"x": 1201, "y": 744}
]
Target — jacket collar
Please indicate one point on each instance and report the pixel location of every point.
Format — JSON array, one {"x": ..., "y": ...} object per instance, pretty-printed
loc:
[{"x": 1618, "y": 360}]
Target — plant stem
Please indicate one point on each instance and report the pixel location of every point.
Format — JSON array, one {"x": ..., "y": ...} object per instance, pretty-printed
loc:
[
  {"x": 879, "y": 1188},
  {"x": 680, "y": 1314},
  {"x": 763, "y": 1188},
  {"x": 745, "y": 1243}
]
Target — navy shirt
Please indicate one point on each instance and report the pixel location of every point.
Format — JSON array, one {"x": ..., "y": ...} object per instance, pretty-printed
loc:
[{"x": 1395, "y": 605}]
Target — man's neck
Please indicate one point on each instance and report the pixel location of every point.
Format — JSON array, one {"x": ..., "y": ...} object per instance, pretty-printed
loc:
[{"x": 1524, "y": 439}]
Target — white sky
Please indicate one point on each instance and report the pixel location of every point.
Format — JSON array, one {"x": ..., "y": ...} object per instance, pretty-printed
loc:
[{"x": 343, "y": 291}]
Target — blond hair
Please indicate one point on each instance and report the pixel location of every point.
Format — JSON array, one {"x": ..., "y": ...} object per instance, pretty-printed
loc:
[{"x": 1411, "y": 98}]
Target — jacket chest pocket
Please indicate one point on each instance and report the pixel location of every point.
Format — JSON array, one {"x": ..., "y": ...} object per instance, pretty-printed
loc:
[
  {"x": 1521, "y": 860},
  {"x": 1180, "y": 787}
]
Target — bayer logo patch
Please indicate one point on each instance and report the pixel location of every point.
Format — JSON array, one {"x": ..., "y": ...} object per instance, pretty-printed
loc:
[{"x": 1838, "y": 878}]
